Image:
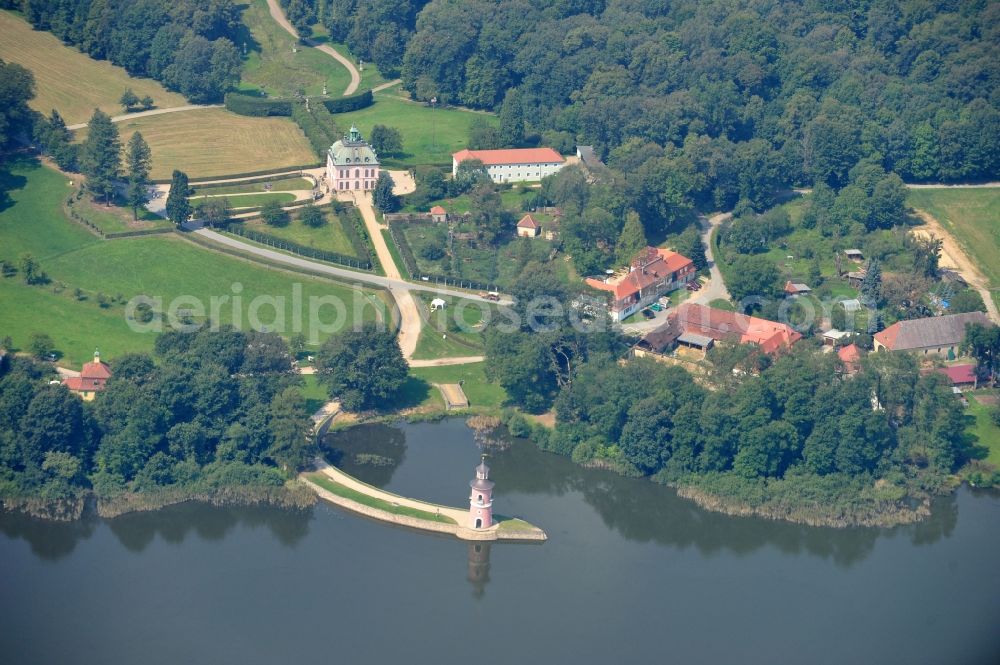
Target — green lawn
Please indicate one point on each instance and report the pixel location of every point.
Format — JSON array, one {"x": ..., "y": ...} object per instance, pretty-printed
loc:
[
  {"x": 270, "y": 65},
  {"x": 480, "y": 392},
  {"x": 245, "y": 200},
  {"x": 330, "y": 485},
  {"x": 330, "y": 237},
  {"x": 430, "y": 135},
  {"x": 450, "y": 332},
  {"x": 279, "y": 185},
  {"x": 972, "y": 215},
  {"x": 116, "y": 218},
  {"x": 986, "y": 432},
  {"x": 315, "y": 394},
  {"x": 163, "y": 266},
  {"x": 370, "y": 75}
]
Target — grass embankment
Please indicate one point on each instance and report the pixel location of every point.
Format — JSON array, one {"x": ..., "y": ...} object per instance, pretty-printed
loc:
[
  {"x": 69, "y": 81},
  {"x": 272, "y": 67},
  {"x": 481, "y": 393},
  {"x": 394, "y": 253},
  {"x": 214, "y": 142},
  {"x": 379, "y": 504},
  {"x": 972, "y": 216},
  {"x": 430, "y": 135},
  {"x": 158, "y": 266},
  {"x": 313, "y": 392},
  {"x": 285, "y": 184},
  {"x": 245, "y": 200}
]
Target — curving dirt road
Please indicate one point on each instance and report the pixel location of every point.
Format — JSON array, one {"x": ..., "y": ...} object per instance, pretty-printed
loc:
[
  {"x": 279, "y": 16},
  {"x": 143, "y": 114},
  {"x": 954, "y": 257}
]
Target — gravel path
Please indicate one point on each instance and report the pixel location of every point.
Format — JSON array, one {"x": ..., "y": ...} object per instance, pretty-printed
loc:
[
  {"x": 143, "y": 114},
  {"x": 279, "y": 16}
]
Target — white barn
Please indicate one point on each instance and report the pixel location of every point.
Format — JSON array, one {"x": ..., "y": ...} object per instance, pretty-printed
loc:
[{"x": 513, "y": 165}]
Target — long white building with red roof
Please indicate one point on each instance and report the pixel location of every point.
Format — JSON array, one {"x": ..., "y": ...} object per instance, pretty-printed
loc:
[
  {"x": 652, "y": 273},
  {"x": 513, "y": 165}
]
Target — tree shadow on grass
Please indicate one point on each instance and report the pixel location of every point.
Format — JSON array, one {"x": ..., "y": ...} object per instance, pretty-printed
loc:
[
  {"x": 413, "y": 393},
  {"x": 10, "y": 182}
]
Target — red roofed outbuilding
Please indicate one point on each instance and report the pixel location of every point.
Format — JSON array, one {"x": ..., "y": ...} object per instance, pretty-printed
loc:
[
  {"x": 960, "y": 375},
  {"x": 528, "y": 227},
  {"x": 439, "y": 214}
]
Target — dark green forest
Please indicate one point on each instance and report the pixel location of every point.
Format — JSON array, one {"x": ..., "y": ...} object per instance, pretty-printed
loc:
[
  {"x": 209, "y": 412},
  {"x": 803, "y": 88}
]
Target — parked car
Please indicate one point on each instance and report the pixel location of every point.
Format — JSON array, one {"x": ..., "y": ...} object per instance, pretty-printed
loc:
[{"x": 649, "y": 314}]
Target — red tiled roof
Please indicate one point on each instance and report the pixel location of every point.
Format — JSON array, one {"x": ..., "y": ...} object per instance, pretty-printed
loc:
[
  {"x": 528, "y": 222},
  {"x": 649, "y": 267},
  {"x": 718, "y": 324},
  {"x": 96, "y": 370},
  {"x": 438, "y": 210},
  {"x": 849, "y": 354},
  {"x": 933, "y": 331},
  {"x": 511, "y": 156},
  {"x": 960, "y": 374},
  {"x": 80, "y": 384}
]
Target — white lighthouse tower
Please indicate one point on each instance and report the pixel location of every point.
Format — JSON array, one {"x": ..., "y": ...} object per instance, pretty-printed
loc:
[{"x": 481, "y": 498}]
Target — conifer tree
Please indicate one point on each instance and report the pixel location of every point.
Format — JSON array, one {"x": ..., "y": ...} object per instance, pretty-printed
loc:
[
  {"x": 101, "y": 156},
  {"x": 138, "y": 160},
  {"x": 632, "y": 239},
  {"x": 512, "y": 119},
  {"x": 178, "y": 206}
]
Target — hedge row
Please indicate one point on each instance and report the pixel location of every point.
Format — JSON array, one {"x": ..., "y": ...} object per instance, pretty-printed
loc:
[
  {"x": 320, "y": 136},
  {"x": 295, "y": 248},
  {"x": 347, "y": 104},
  {"x": 355, "y": 230},
  {"x": 258, "y": 107},
  {"x": 411, "y": 265}
]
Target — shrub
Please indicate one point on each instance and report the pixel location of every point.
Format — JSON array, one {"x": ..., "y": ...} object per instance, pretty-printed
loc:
[
  {"x": 352, "y": 103},
  {"x": 258, "y": 107}
]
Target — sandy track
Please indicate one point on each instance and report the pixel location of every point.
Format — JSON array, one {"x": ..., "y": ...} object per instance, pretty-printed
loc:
[{"x": 955, "y": 258}]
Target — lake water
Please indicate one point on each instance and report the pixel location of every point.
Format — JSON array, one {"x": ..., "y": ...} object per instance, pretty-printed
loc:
[{"x": 629, "y": 572}]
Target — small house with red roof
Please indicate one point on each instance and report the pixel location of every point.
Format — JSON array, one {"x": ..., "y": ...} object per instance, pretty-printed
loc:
[
  {"x": 528, "y": 227},
  {"x": 513, "y": 165},
  {"x": 652, "y": 273},
  {"x": 439, "y": 214},
  {"x": 92, "y": 378},
  {"x": 850, "y": 356}
]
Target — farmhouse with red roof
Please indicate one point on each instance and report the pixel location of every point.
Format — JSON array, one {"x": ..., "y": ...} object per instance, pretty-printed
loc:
[
  {"x": 513, "y": 165},
  {"x": 938, "y": 335},
  {"x": 652, "y": 273},
  {"x": 92, "y": 378}
]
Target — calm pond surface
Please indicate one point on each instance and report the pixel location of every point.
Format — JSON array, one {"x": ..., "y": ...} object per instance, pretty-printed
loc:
[{"x": 630, "y": 571}]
